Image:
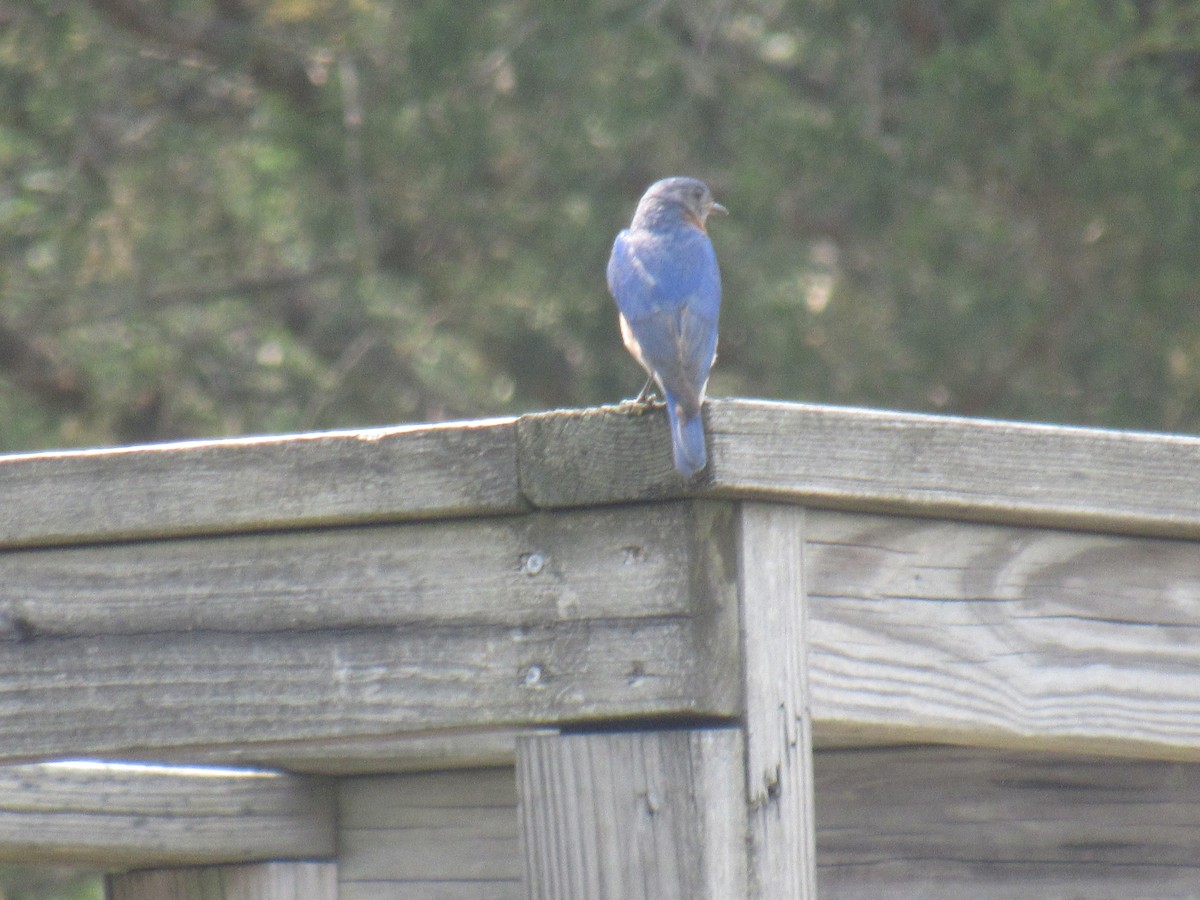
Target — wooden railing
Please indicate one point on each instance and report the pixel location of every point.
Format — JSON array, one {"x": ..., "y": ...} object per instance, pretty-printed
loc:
[{"x": 522, "y": 658}]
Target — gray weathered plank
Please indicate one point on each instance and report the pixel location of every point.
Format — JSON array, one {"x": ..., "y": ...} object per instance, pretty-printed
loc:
[
  {"x": 654, "y": 815},
  {"x": 837, "y": 457},
  {"x": 202, "y": 487},
  {"x": 948, "y": 822},
  {"x": 523, "y": 570},
  {"x": 115, "y": 816},
  {"x": 264, "y": 881},
  {"x": 377, "y": 755},
  {"x": 431, "y": 836},
  {"x": 209, "y": 643},
  {"x": 602, "y": 455},
  {"x": 991, "y": 635},
  {"x": 777, "y": 728}
]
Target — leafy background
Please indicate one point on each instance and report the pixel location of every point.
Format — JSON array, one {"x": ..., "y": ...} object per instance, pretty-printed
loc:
[{"x": 231, "y": 216}]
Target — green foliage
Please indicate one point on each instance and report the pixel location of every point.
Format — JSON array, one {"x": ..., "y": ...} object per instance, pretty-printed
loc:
[
  {"x": 49, "y": 884},
  {"x": 228, "y": 216}
]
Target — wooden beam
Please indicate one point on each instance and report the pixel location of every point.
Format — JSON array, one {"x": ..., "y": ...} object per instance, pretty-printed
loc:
[
  {"x": 247, "y": 484},
  {"x": 122, "y": 816},
  {"x": 777, "y": 727},
  {"x": 1011, "y": 637},
  {"x": 653, "y": 815},
  {"x": 447, "y": 835},
  {"x": 861, "y": 459},
  {"x": 896, "y": 823},
  {"x": 140, "y": 648},
  {"x": 264, "y": 881}
]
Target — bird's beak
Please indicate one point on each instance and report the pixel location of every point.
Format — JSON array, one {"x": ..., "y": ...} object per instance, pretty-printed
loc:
[{"x": 717, "y": 207}]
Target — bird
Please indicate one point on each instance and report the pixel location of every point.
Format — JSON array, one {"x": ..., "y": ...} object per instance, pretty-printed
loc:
[{"x": 664, "y": 277}]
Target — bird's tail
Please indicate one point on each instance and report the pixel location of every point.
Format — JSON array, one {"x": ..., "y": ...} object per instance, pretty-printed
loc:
[{"x": 687, "y": 437}]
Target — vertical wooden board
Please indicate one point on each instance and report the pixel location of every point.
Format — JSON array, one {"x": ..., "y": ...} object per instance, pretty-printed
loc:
[
  {"x": 429, "y": 836},
  {"x": 778, "y": 730},
  {"x": 261, "y": 881},
  {"x": 637, "y": 815}
]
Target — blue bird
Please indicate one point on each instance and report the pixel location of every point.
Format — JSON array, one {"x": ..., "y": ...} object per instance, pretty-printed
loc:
[{"x": 663, "y": 274}]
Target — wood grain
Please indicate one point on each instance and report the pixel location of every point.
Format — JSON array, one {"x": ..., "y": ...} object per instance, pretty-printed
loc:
[
  {"x": 125, "y": 816},
  {"x": 874, "y": 460},
  {"x": 603, "y": 455},
  {"x": 1011, "y": 472},
  {"x": 264, "y": 881},
  {"x": 990, "y": 635},
  {"x": 244, "y": 484},
  {"x": 777, "y": 728},
  {"x": 434, "y": 835},
  {"x": 233, "y": 642},
  {"x": 651, "y": 815},
  {"x": 950, "y": 822},
  {"x": 526, "y": 570}
]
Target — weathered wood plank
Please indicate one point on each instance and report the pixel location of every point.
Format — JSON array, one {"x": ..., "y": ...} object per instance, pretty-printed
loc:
[
  {"x": 653, "y": 815},
  {"x": 209, "y": 487},
  {"x": 433, "y": 836},
  {"x": 119, "y": 696},
  {"x": 221, "y": 643},
  {"x": 777, "y": 728},
  {"x": 524, "y": 570},
  {"x": 114, "y": 816},
  {"x": 387, "y": 754},
  {"x": 862, "y": 459},
  {"x": 991, "y": 635},
  {"x": 947, "y": 823},
  {"x": 608, "y": 454},
  {"x": 264, "y": 881}
]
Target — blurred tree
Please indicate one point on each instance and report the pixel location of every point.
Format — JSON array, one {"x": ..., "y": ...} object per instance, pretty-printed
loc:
[{"x": 229, "y": 216}]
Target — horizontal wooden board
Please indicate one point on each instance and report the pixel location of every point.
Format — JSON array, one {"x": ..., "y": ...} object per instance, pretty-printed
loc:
[
  {"x": 947, "y": 823},
  {"x": 235, "y": 642},
  {"x": 525, "y": 570},
  {"x": 260, "y": 881},
  {"x": 845, "y": 458},
  {"x": 374, "y": 755},
  {"x": 210, "y": 487},
  {"x": 993, "y": 635},
  {"x": 973, "y": 468},
  {"x": 435, "y": 835},
  {"x": 119, "y": 816}
]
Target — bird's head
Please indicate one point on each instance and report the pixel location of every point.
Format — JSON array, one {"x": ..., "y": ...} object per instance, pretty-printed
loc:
[{"x": 686, "y": 199}]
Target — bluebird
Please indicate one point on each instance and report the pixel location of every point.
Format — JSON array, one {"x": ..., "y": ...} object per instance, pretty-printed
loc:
[{"x": 663, "y": 274}]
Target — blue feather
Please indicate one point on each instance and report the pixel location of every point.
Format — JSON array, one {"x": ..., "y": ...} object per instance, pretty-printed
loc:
[
  {"x": 664, "y": 277},
  {"x": 687, "y": 439}
]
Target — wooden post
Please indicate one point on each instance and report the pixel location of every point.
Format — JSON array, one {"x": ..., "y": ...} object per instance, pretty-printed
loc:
[
  {"x": 257, "y": 881},
  {"x": 778, "y": 729},
  {"x": 715, "y": 813},
  {"x": 653, "y": 815}
]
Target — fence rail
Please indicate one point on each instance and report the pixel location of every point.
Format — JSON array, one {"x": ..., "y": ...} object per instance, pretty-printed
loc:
[{"x": 506, "y": 641}]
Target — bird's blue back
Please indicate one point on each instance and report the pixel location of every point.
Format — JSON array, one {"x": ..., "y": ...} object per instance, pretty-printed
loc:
[{"x": 664, "y": 277}]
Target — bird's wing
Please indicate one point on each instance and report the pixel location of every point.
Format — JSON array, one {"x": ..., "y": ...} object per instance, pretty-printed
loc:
[{"x": 669, "y": 291}]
